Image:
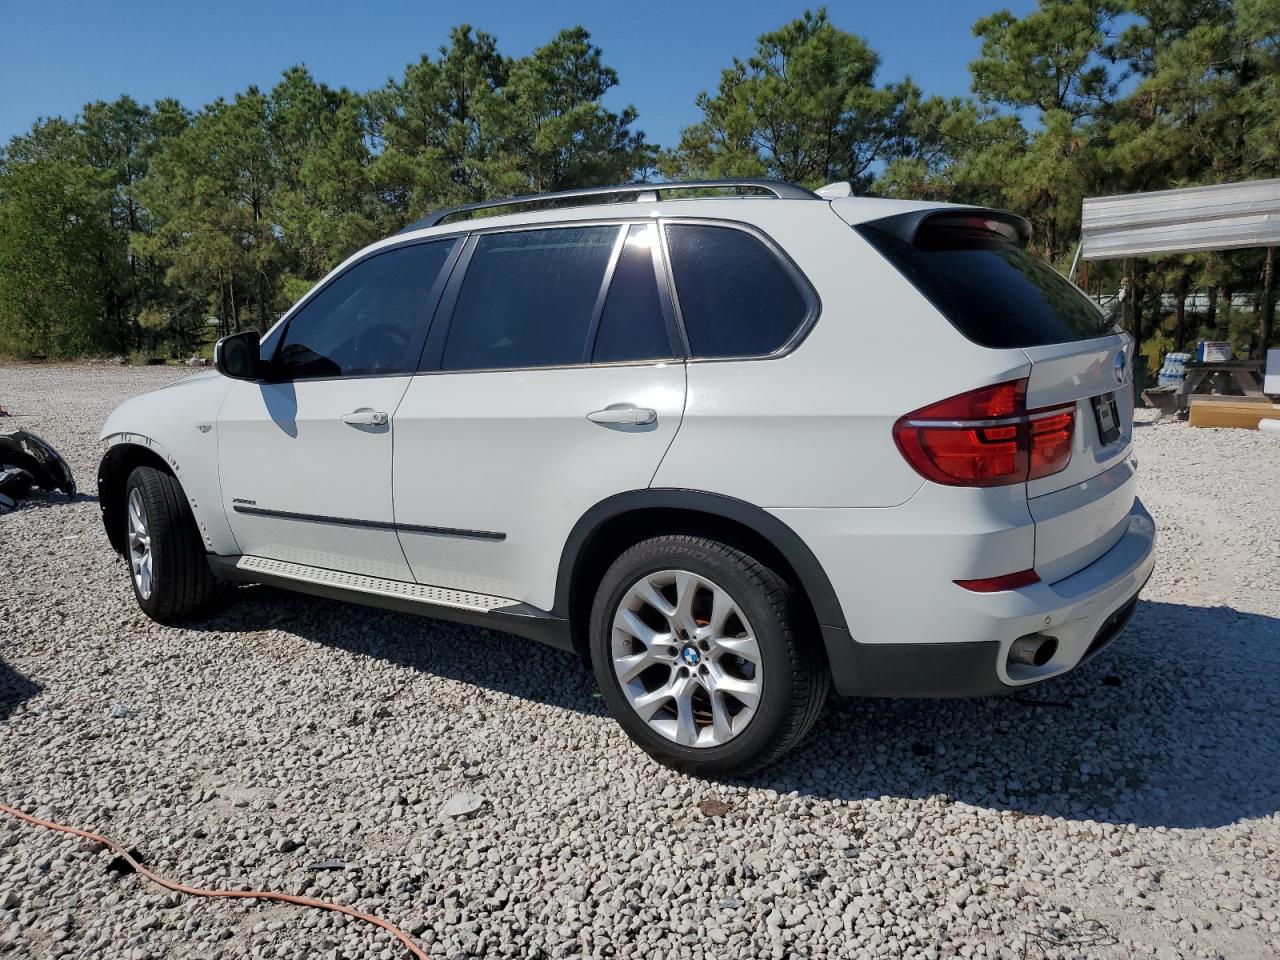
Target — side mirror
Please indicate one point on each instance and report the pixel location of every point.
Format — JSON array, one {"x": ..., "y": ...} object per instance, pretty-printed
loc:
[{"x": 237, "y": 356}]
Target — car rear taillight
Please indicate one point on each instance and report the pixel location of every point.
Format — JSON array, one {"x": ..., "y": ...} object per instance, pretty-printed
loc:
[
  {"x": 1051, "y": 431},
  {"x": 987, "y": 438}
]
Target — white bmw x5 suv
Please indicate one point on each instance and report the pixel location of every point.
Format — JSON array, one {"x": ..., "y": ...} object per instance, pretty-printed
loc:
[{"x": 733, "y": 450}]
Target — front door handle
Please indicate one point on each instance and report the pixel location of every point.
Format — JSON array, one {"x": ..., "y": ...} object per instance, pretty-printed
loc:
[
  {"x": 632, "y": 415},
  {"x": 365, "y": 417}
]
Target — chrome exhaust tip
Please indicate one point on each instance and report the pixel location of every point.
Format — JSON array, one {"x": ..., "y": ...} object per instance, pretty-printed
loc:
[{"x": 1033, "y": 650}]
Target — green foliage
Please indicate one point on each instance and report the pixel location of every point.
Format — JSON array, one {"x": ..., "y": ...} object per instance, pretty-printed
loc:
[
  {"x": 1050, "y": 60},
  {"x": 1048, "y": 66},
  {"x": 553, "y": 131},
  {"x": 212, "y": 191},
  {"x": 431, "y": 129},
  {"x": 62, "y": 270},
  {"x": 474, "y": 124},
  {"x": 295, "y": 288},
  {"x": 804, "y": 108},
  {"x": 1238, "y": 326},
  {"x": 962, "y": 153},
  {"x": 130, "y": 226}
]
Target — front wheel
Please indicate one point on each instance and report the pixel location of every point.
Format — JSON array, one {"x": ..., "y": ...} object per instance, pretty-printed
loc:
[
  {"x": 701, "y": 655},
  {"x": 167, "y": 566}
]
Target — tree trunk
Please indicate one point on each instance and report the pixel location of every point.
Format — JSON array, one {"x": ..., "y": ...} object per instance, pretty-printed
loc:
[
  {"x": 1135, "y": 308},
  {"x": 1220, "y": 321},
  {"x": 1180, "y": 331},
  {"x": 1211, "y": 315},
  {"x": 224, "y": 314},
  {"x": 1266, "y": 315},
  {"x": 262, "y": 307}
]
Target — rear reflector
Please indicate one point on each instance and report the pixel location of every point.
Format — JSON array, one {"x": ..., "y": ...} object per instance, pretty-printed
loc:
[
  {"x": 1007, "y": 581},
  {"x": 986, "y": 438}
]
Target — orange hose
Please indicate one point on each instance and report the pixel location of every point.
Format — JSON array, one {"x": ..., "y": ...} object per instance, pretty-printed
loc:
[{"x": 395, "y": 931}]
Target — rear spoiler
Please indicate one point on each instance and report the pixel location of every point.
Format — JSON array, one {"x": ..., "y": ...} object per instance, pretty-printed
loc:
[{"x": 927, "y": 228}]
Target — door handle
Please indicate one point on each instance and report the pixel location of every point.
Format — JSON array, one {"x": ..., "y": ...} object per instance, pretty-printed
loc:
[
  {"x": 633, "y": 415},
  {"x": 365, "y": 417}
]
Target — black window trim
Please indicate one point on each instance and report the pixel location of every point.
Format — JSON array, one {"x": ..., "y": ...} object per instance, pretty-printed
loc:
[
  {"x": 442, "y": 318},
  {"x": 430, "y": 304},
  {"x": 433, "y": 352}
]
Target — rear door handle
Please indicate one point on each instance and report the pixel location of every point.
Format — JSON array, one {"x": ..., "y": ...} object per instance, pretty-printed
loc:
[
  {"x": 365, "y": 417},
  {"x": 633, "y": 415}
]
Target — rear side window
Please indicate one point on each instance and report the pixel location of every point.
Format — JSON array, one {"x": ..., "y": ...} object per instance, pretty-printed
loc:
[
  {"x": 736, "y": 297},
  {"x": 367, "y": 321},
  {"x": 528, "y": 298},
  {"x": 988, "y": 286},
  {"x": 633, "y": 325}
]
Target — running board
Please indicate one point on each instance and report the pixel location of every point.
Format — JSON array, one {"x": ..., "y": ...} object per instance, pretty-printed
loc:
[
  {"x": 444, "y": 603},
  {"x": 377, "y": 586}
]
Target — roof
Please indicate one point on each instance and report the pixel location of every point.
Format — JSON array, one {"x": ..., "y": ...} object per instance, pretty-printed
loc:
[
  {"x": 779, "y": 189},
  {"x": 853, "y": 210},
  {"x": 746, "y": 209}
]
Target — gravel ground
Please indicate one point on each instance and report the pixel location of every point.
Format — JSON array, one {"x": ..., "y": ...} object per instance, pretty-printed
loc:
[{"x": 1127, "y": 810}]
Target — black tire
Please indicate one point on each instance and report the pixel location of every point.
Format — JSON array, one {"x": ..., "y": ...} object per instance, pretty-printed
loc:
[
  {"x": 182, "y": 586},
  {"x": 794, "y": 680}
]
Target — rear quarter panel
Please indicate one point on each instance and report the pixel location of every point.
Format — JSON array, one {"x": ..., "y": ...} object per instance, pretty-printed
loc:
[{"x": 814, "y": 428}]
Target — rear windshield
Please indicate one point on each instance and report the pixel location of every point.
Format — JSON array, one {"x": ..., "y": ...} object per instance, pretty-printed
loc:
[{"x": 992, "y": 290}]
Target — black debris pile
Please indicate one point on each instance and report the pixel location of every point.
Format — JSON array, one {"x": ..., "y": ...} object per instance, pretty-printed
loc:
[{"x": 27, "y": 463}]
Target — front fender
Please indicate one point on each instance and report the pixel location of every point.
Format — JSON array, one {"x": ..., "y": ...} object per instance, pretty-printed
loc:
[{"x": 175, "y": 429}]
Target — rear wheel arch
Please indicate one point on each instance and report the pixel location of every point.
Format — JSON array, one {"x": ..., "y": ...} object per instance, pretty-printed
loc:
[{"x": 621, "y": 521}]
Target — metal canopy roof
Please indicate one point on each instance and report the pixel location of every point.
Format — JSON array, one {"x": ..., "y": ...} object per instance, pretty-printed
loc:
[{"x": 1217, "y": 217}]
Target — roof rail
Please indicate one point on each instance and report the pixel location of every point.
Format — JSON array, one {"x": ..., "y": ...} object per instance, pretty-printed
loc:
[{"x": 780, "y": 189}]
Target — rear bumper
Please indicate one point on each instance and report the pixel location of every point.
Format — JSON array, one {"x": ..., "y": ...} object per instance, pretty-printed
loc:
[{"x": 1082, "y": 612}]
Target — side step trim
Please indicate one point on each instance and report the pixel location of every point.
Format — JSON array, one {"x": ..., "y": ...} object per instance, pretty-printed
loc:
[
  {"x": 437, "y": 596},
  {"x": 443, "y": 603}
]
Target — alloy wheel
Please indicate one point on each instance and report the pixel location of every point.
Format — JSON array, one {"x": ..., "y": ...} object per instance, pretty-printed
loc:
[
  {"x": 687, "y": 659},
  {"x": 139, "y": 544}
]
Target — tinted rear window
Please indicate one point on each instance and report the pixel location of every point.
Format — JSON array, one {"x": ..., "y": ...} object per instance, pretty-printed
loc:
[
  {"x": 736, "y": 297},
  {"x": 992, "y": 290}
]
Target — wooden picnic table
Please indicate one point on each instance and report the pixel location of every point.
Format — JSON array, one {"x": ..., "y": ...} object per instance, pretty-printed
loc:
[{"x": 1208, "y": 377}]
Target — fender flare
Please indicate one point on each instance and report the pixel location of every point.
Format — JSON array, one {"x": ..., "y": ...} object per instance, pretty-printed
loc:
[
  {"x": 813, "y": 579},
  {"x": 117, "y": 448},
  {"x": 113, "y": 442}
]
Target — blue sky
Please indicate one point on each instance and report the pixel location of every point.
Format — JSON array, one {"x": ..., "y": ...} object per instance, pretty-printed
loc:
[{"x": 57, "y": 55}]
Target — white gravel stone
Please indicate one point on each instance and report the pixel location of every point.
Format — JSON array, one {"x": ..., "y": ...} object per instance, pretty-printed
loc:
[
  {"x": 979, "y": 828},
  {"x": 462, "y": 805}
]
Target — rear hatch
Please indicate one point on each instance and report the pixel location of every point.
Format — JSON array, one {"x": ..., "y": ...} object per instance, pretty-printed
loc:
[{"x": 973, "y": 266}]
